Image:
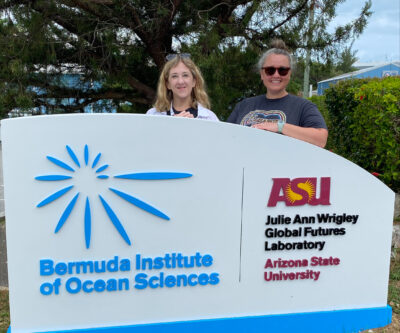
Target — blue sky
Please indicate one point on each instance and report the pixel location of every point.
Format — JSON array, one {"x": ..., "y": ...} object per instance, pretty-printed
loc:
[{"x": 380, "y": 41}]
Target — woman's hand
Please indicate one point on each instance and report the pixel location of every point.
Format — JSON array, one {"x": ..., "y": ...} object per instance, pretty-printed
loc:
[
  {"x": 316, "y": 136},
  {"x": 184, "y": 114},
  {"x": 267, "y": 126}
]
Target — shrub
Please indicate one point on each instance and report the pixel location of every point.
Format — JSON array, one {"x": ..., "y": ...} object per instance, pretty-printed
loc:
[
  {"x": 377, "y": 131},
  {"x": 340, "y": 103},
  {"x": 364, "y": 117},
  {"x": 319, "y": 101}
]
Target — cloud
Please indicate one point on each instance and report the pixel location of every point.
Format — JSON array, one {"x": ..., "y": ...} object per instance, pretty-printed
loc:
[{"x": 380, "y": 41}]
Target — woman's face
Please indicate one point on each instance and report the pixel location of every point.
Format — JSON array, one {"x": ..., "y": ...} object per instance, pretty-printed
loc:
[
  {"x": 276, "y": 84},
  {"x": 181, "y": 81}
]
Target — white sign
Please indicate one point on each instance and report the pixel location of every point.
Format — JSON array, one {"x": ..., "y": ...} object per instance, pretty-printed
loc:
[{"x": 122, "y": 220}]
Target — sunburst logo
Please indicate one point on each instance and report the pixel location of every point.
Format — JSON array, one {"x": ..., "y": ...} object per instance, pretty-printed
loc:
[
  {"x": 307, "y": 186},
  {"x": 300, "y": 191},
  {"x": 87, "y": 174}
]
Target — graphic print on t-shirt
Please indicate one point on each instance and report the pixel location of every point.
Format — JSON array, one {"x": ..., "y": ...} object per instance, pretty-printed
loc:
[{"x": 259, "y": 116}]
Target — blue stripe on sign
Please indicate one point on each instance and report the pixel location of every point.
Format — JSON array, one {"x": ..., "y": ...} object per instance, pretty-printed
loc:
[{"x": 353, "y": 320}]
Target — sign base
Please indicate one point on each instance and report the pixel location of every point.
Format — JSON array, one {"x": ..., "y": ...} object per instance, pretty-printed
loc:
[{"x": 354, "y": 320}]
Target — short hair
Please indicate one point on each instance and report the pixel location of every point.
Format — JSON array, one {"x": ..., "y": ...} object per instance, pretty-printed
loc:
[
  {"x": 164, "y": 95},
  {"x": 278, "y": 46}
]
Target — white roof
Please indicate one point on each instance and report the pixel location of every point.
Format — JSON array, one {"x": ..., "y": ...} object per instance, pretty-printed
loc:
[{"x": 361, "y": 65}]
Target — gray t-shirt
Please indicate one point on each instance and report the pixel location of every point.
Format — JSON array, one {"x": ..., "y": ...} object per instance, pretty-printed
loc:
[{"x": 289, "y": 109}]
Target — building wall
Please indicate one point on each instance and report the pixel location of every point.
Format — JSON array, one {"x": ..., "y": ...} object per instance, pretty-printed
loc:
[{"x": 387, "y": 70}]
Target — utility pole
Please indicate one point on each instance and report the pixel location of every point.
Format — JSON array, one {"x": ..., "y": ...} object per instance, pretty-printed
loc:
[{"x": 306, "y": 83}]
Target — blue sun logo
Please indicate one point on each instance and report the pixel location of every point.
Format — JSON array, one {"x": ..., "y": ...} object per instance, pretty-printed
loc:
[{"x": 90, "y": 171}]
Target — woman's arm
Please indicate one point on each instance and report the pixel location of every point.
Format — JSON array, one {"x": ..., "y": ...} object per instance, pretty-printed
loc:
[{"x": 316, "y": 136}]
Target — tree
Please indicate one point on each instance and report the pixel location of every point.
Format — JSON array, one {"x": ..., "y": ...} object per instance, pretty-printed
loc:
[
  {"x": 346, "y": 61},
  {"x": 322, "y": 69},
  {"x": 121, "y": 46}
]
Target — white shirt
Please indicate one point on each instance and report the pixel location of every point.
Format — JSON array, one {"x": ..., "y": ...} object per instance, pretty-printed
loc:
[{"x": 202, "y": 113}]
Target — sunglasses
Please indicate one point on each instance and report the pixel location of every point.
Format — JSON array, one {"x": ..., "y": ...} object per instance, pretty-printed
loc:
[
  {"x": 283, "y": 71},
  {"x": 180, "y": 55}
]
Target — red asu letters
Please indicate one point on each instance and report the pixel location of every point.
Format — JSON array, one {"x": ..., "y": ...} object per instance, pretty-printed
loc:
[{"x": 300, "y": 191}]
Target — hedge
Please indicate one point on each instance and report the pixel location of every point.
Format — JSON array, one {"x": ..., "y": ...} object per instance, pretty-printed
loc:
[{"x": 364, "y": 125}]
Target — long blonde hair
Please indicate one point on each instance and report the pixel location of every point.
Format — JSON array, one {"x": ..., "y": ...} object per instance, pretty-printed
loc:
[{"x": 164, "y": 95}]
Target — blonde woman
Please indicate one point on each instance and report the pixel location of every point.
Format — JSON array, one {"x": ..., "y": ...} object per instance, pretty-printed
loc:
[{"x": 181, "y": 91}]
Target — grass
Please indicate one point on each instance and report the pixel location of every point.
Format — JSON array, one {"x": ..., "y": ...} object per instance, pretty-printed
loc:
[
  {"x": 394, "y": 283},
  {"x": 4, "y": 307},
  {"x": 4, "y": 311}
]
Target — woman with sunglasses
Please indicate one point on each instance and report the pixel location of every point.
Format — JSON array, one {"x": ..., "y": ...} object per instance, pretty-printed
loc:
[
  {"x": 278, "y": 111},
  {"x": 180, "y": 91}
]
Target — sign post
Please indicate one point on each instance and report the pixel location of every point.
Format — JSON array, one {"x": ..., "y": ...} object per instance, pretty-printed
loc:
[{"x": 131, "y": 223}]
